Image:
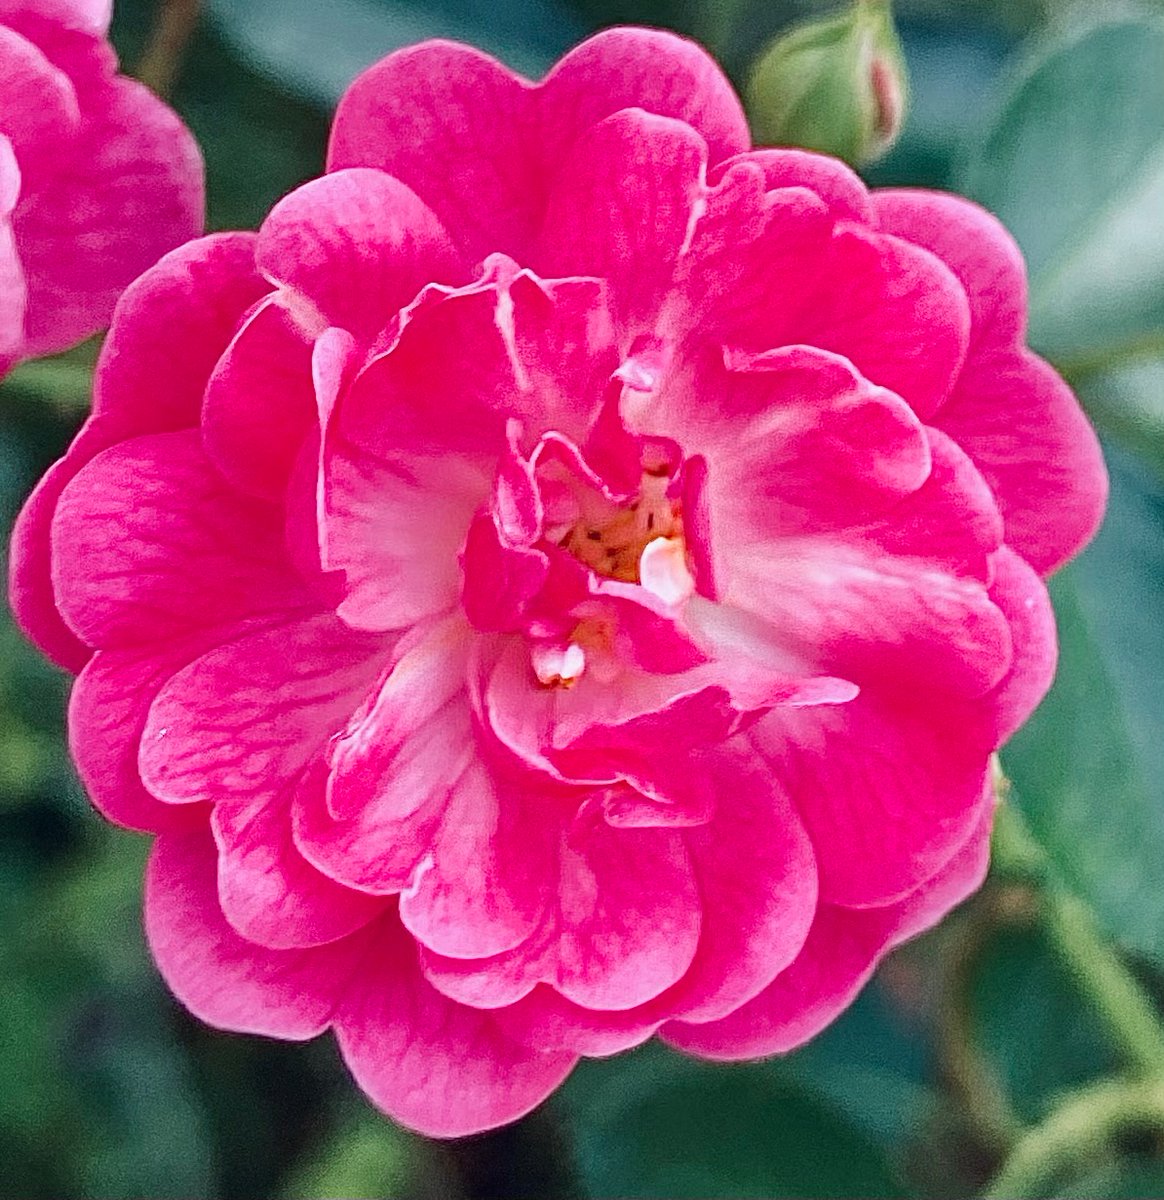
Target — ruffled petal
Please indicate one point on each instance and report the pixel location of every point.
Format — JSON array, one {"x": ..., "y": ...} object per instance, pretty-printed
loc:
[
  {"x": 149, "y": 542},
  {"x": 614, "y": 941},
  {"x": 841, "y": 953},
  {"x": 107, "y": 716},
  {"x": 172, "y": 326},
  {"x": 478, "y": 142},
  {"x": 128, "y": 189},
  {"x": 630, "y": 233},
  {"x": 888, "y": 786},
  {"x": 1010, "y": 411},
  {"x": 353, "y": 248},
  {"x": 260, "y": 404},
  {"x": 436, "y": 1066},
  {"x": 267, "y": 889},
  {"x": 223, "y": 979},
  {"x": 244, "y": 719}
]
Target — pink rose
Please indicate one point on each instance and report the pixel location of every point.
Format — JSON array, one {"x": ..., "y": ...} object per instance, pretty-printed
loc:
[
  {"x": 562, "y": 580},
  {"x": 98, "y": 178}
]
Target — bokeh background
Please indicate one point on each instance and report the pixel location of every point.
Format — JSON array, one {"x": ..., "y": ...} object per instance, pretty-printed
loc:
[{"x": 1048, "y": 112}]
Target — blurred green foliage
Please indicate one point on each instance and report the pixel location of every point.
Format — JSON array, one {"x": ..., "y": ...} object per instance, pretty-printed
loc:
[{"x": 1051, "y": 113}]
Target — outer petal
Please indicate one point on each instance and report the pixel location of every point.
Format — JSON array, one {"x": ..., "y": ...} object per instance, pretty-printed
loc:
[
  {"x": 888, "y": 786},
  {"x": 259, "y": 403},
  {"x": 766, "y": 269},
  {"x": 1020, "y": 595},
  {"x": 267, "y": 890},
  {"x": 39, "y": 103},
  {"x": 622, "y": 209},
  {"x": 13, "y": 290},
  {"x": 149, "y": 542},
  {"x": 625, "y": 928},
  {"x": 841, "y": 952},
  {"x": 355, "y": 247},
  {"x": 130, "y": 190},
  {"x": 1010, "y": 411},
  {"x": 223, "y": 979},
  {"x": 438, "y": 1067},
  {"x": 88, "y": 16},
  {"x": 757, "y": 883},
  {"x": 478, "y": 142},
  {"x": 107, "y": 716},
  {"x": 1026, "y": 433},
  {"x": 649, "y": 69},
  {"x": 30, "y": 587},
  {"x": 836, "y": 184},
  {"x": 170, "y": 329},
  {"x": 249, "y": 716}
]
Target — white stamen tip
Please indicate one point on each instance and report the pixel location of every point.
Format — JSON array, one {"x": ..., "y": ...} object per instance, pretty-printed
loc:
[
  {"x": 557, "y": 666},
  {"x": 663, "y": 571}
]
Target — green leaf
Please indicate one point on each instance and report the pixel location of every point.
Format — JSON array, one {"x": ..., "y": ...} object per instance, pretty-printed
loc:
[
  {"x": 316, "y": 49},
  {"x": 659, "y": 1125},
  {"x": 1089, "y": 767},
  {"x": 1073, "y": 163}
]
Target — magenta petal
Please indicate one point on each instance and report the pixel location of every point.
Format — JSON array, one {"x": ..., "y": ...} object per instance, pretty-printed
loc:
[
  {"x": 355, "y": 247},
  {"x": 833, "y": 182},
  {"x": 87, "y": 16},
  {"x": 187, "y": 551},
  {"x": 129, "y": 189},
  {"x": 222, "y": 978},
  {"x": 1025, "y": 431},
  {"x": 540, "y": 353},
  {"x": 614, "y": 941},
  {"x": 436, "y": 1066},
  {"x": 1010, "y": 411},
  {"x": 841, "y": 953},
  {"x": 757, "y": 877},
  {"x": 545, "y": 1020},
  {"x": 171, "y": 327},
  {"x": 478, "y": 142},
  {"x": 259, "y": 403},
  {"x": 887, "y": 786},
  {"x": 107, "y": 715},
  {"x": 30, "y": 587},
  {"x": 484, "y": 884},
  {"x": 267, "y": 890},
  {"x": 39, "y": 103},
  {"x": 630, "y": 235},
  {"x": 629, "y": 914},
  {"x": 796, "y": 441},
  {"x": 454, "y": 125},
  {"x": 1021, "y": 596},
  {"x": 651, "y": 69},
  {"x": 247, "y": 717}
]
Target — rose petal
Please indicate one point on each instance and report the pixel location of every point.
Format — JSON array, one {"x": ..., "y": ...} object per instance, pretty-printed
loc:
[{"x": 435, "y": 1066}]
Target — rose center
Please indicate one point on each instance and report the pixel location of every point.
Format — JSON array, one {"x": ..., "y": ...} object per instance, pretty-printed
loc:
[{"x": 611, "y": 541}]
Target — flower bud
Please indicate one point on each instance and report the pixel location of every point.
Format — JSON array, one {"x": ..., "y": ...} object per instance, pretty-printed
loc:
[{"x": 837, "y": 84}]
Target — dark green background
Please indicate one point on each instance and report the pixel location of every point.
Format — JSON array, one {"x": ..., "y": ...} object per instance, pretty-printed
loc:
[{"x": 1050, "y": 113}]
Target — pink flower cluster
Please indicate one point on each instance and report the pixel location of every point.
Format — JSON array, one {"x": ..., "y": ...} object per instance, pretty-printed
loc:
[
  {"x": 98, "y": 178},
  {"x": 562, "y": 581}
]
